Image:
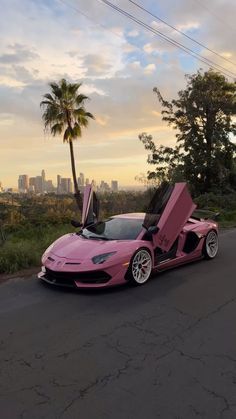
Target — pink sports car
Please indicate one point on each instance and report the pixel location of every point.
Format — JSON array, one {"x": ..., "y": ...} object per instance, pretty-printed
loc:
[{"x": 129, "y": 247}]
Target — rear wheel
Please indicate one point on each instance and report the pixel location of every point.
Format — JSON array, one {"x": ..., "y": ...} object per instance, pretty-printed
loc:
[
  {"x": 140, "y": 267},
  {"x": 211, "y": 245}
]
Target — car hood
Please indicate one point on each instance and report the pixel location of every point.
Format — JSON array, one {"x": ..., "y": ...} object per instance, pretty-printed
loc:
[{"x": 73, "y": 246}]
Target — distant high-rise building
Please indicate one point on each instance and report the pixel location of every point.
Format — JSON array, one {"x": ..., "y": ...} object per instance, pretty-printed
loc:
[
  {"x": 31, "y": 189},
  {"x": 49, "y": 186},
  {"x": 38, "y": 184},
  {"x": 23, "y": 183},
  {"x": 43, "y": 180},
  {"x": 81, "y": 177},
  {"x": 104, "y": 187},
  {"x": 58, "y": 184},
  {"x": 114, "y": 186},
  {"x": 87, "y": 181},
  {"x": 66, "y": 185},
  {"x": 70, "y": 187},
  {"x": 32, "y": 181},
  {"x": 32, "y": 184},
  {"x": 81, "y": 182}
]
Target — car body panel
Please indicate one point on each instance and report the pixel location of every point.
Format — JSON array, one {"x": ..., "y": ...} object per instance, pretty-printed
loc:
[
  {"x": 86, "y": 204},
  {"x": 90, "y": 209},
  {"x": 72, "y": 246},
  {"x": 177, "y": 210}
]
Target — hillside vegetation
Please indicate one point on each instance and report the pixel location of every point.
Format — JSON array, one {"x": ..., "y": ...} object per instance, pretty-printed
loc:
[{"x": 30, "y": 224}]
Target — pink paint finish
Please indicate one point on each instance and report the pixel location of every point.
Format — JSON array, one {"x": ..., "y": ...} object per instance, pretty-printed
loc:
[
  {"x": 88, "y": 191},
  {"x": 180, "y": 239},
  {"x": 176, "y": 213}
]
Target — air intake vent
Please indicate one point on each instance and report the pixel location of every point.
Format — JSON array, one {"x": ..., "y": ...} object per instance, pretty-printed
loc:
[
  {"x": 72, "y": 263},
  {"x": 51, "y": 259},
  {"x": 69, "y": 278}
]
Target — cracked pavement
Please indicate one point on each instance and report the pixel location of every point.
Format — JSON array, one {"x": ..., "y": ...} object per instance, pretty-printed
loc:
[{"x": 165, "y": 350}]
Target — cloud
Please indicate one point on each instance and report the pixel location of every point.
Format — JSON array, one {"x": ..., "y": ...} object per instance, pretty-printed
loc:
[
  {"x": 8, "y": 81},
  {"x": 102, "y": 120},
  {"x": 156, "y": 113},
  {"x": 133, "y": 34},
  {"x": 150, "y": 68},
  {"x": 20, "y": 54},
  {"x": 135, "y": 65},
  {"x": 90, "y": 89},
  {"x": 149, "y": 48},
  {"x": 96, "y": 64},
  {"x": 6, "y": 119},
  {"x": 188, "y": 26},
  {"x": 119, "y": 31},
  {"x": 128, "y": 48}
]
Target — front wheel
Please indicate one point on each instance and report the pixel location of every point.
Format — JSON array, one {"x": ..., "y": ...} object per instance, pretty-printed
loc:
[
  {"x": 140, "y": 267},
  {"x": 211, "y": 245}
]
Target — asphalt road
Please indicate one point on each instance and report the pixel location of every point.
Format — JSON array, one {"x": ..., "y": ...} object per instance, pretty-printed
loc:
[{"x": 164, "y": 350}]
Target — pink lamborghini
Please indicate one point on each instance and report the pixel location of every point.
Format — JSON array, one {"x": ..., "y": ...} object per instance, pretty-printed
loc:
[{"x": 129, "y": 247}]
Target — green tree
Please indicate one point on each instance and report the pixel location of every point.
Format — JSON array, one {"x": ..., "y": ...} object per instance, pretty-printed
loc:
[
  {"x": 167, "y": 161},
  {"x": 64, "y": 112},
  {"x": 203, "y": 117}
]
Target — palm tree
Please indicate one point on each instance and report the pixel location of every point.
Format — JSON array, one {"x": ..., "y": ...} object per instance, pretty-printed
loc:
[{"x": 64, "y": 112}]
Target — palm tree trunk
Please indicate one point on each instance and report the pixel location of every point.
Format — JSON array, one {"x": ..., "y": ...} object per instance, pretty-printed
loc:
[{"x": 77, "y": 194}]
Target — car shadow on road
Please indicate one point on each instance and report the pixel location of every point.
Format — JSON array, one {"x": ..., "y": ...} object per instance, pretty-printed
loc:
[{"x": 160, "y": 284}]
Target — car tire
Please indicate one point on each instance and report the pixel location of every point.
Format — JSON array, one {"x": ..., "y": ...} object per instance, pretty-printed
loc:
[
  {"x": 211, "y": 245},
  {"x": 140, "y": 267}
]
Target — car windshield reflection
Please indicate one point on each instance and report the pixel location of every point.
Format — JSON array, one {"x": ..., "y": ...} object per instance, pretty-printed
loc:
[{"x": 114, "y": 229}]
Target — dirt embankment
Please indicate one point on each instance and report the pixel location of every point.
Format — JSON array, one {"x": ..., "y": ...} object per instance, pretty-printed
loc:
[{"x": 23, "y": 273}]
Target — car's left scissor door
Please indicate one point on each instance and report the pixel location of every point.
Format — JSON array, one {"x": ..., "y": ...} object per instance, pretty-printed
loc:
[{"x": 90, "y": 210}]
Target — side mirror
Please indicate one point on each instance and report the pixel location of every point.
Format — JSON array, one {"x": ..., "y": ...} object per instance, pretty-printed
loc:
[
  {"x": 75, "y": 223},
  {"x": 153, "y": 230}
]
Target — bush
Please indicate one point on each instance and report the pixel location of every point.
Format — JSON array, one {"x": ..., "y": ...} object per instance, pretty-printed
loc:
[
  {"x": 217, "y": 201},
  {"x": 24, "y": 247},
  {"x": 18, "y": 255}
]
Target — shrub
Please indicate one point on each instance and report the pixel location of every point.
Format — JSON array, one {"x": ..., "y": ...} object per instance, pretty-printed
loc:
[{"x": 24, "y": 247}]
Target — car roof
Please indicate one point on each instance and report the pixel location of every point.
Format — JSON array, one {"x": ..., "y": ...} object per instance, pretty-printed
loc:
[{"x": 131, "y": 215}]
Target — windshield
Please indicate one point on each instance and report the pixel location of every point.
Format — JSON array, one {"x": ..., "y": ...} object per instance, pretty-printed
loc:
[{"x": 114, "y": 229}]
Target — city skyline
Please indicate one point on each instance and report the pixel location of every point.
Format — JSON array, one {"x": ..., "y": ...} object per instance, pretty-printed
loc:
[
  {"x": 40, "y": 184},
  {"x": 66, "y": 174}
]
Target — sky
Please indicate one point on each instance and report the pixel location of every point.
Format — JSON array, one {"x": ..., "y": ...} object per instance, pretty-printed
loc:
[{"x": 118, "y": 63}]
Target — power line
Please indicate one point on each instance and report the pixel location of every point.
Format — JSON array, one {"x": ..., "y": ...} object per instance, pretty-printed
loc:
[
  {"x": 187, "y": 50},
  {"x": 182, "y": 33}
]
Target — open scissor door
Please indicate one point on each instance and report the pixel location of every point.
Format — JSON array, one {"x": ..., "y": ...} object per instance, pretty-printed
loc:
[
  {"x": 90, "y": 210},
  {"x": 169, "y": 210}
]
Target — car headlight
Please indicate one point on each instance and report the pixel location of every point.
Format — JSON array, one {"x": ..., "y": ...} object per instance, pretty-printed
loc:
[{"x": 102, "y": 258}]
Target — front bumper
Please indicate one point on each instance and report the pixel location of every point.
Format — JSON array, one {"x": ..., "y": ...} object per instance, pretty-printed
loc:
[{"x": 86, "y": 279}]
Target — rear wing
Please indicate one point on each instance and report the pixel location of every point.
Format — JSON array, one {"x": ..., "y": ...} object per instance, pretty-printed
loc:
[{"x": 202, "y": 215}]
